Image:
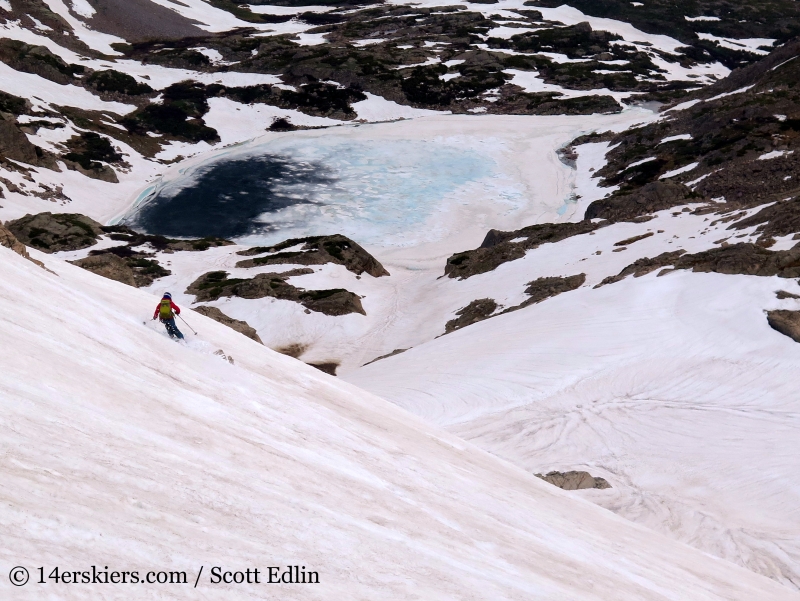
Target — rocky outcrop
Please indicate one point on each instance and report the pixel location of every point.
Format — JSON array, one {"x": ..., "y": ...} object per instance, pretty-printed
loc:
[
  {"x": 124, "y": 264},
  {"x": 500, "y": 247},
  {"x": 14, "y": 144},
  {"x": 109, "y": 266},
  {"x": 216, "y": 284},
  {"x": 8, "y": 240},
  {"x": 574, "y": 480},
  {"x": 538, "y": 290},
  {"x": 51, "y": 232},
  {"x": 240, "y": 326},
  {"x": 317, "y": 250},
  {"x": 476, "y": 311},
  {"x": 650, "y": 198},
  {"x": 785, "y": 322},
  {"x": 779, "y": 219},
  {"x": 544, "y": 288},
  {"x": 644, "y": 266},
  {"x": 745, "y": 259}
]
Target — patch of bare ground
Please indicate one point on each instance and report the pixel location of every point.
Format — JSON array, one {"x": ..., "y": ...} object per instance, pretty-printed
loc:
[{"x": 574, "y": 480}]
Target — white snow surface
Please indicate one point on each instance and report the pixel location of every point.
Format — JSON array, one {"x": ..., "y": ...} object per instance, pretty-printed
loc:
[
  {"x": 123, "y": 448},
  {"x": 674, "y": 389}
]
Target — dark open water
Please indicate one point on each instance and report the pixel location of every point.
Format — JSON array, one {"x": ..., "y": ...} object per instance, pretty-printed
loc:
[{"x": 225, "y": 198}]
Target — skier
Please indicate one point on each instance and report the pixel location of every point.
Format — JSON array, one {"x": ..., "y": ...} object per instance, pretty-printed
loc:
[{"x": 166, "y": 311}]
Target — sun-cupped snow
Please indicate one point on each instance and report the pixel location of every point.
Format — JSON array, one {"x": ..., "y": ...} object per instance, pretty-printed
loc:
[
  {"x": 629, "y": 381},
  {"x": 220, "y": 452}
]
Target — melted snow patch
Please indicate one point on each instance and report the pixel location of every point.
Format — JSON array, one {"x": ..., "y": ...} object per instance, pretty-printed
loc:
[
  {"x": 747, "y": 45},
  {"x": 775, "y": 154},
  {"x": 680, "y": 170},
  {"x": 676, "y": 138}
]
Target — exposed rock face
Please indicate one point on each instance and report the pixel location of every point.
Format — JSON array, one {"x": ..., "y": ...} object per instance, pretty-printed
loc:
[
  {"x": 783, "y": 295},
  {"x": 125, "y": 234},
  {"x": 14, "y": 144},
  {"x": 123, "y": 264},
  {"x": 216, "y": 284},
  {"x": 317, "y": 250},
  {"x": 476, "y": 311},
  {"x": 8, "y": 240},
  {"x": 51, "y": 233},
  {"x": 650, "y": 198},
  {"x": 500, "y": 247},
  {"x": 240, "y": 326},
  {"x": 109, "y": 266},
  {"x": 544, "y": 288},
  {"x": 396, "y": 351},
  {"x": 746, "y": 259},
  {"x": 574, "y": 480},
  {"x": 539, "y": 290},
  {"x": 785, "y": 322},
  {"x": 329, "y": 368},
  {"x": 779, "y": 219},
  {"x": 644, "y": 266}
]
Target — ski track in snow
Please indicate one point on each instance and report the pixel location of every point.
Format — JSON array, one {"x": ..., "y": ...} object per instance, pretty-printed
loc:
[
  {"x": 629, "y": 382},
  {"x": 123, "y": 448}
]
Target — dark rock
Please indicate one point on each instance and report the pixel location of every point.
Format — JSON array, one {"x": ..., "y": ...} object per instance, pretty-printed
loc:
[
  {"x": 544, "y": 288},
  {"x": 240, "y": 326},
  {"x": 745, "y": 259},
  {"x": 216, "y": 284},
  {"x": 779, "y": 219},
  {"x": 123, "y": 265},
  {"x": 574, "y": 480},
  {"x": 783, "y": 295},
  {"x": 785, "y": 322},
  {"x": 650, "y": 198},
  {"x": 8, "y": 240},
  {"x": 51, "y": 232},
  {"x": 396, "y": 351},
  {"x": 628, "y": 241},
  {"x": 329, "y": 368},
  {"x": 644, "y": 266},
  {"x": 15, "y": 145},
  {"x": 499, "y": 247},
  {"x": 109, "y": 266},
  {"x": 476, "y": 311},
  {"x": 317, "y": 250}
]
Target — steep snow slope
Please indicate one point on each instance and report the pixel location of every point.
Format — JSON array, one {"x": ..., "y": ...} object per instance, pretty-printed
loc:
[
  {"x": 674, "y": 389},
  {"x": 125, "y": 449}
]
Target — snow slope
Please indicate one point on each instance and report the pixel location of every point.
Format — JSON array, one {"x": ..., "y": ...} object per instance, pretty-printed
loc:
[
  {"x": 125, "y": 449},
  {"x": 674, "y": 389}
]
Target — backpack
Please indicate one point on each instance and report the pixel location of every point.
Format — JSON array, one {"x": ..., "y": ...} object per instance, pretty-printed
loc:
[{"x": 165, "y": 309}]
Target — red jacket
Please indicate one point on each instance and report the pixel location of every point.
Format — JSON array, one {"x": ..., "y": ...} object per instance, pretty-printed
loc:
[{"x": 175, "y": 308}]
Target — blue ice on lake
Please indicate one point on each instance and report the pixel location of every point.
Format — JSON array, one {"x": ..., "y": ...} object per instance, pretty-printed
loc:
[{"x": 371, "y": 191}]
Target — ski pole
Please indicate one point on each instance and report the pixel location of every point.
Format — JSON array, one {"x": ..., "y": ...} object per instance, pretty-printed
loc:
[{"x": 187, "y": 325}]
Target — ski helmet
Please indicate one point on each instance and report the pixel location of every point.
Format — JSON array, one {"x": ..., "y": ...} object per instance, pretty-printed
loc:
[{"x": 167, "y": 295}]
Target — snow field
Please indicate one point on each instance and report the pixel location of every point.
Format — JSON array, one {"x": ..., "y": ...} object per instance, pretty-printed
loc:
[
  {"x": 128, "y": 449},
  {"x": 674, "y": 389}
]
